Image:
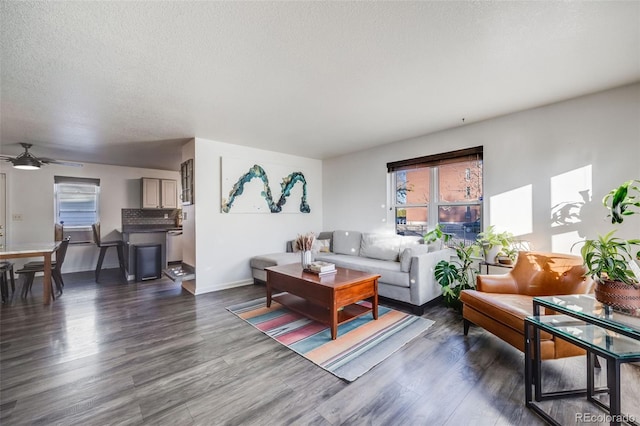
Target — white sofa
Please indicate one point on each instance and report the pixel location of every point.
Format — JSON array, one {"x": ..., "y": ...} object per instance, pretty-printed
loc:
[{"x": 406, "y": 266}]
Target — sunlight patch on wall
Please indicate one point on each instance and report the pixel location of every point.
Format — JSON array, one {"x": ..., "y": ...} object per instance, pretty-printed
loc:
[
  {"x": 570, "y": 191},
  {"x": 513, "y": 211},
  {"x": 562, "y": 243}
]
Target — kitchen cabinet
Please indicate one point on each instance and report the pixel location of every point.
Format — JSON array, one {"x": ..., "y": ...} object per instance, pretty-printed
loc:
[
  {"x": 159, "y": 193},
  {"x": 169, "y": 194}
]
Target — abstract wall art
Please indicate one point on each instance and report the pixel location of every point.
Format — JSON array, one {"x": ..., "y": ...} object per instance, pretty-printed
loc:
[{"x": 246, "y": 188}]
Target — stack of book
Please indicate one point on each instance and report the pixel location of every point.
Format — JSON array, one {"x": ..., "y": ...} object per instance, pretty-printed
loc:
[{"x": 321, "y": 268}]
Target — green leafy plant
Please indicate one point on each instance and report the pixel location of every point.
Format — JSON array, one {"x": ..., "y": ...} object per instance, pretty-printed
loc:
[
  {"x": 489, "y": 238},
  {"x": 608, "y": 258},
  {"x": 623, "y": 201},
  {"x": 510, "y": 252},
  {"x": 457, "y": 275},
  {"x": 436, "y": 234}
]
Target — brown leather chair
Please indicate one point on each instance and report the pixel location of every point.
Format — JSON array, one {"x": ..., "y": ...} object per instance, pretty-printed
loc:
[{"x": 500, "y": 303}]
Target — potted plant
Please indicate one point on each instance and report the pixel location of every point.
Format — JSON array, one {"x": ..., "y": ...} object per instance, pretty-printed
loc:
[
  {"x": 507, "y": 255},
  {"x": 622, "y": 200},
  {"x": 436, "y": 235},
  {"x": 493, "y": 242},
  {"x": 457, "y": 275},
  {"x": 608, "y": 259}
]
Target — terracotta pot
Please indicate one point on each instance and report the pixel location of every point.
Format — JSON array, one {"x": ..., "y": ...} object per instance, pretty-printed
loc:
[{"x": 619, "y": 295}]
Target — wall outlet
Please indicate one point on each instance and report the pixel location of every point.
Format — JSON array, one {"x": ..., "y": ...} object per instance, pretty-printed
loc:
[
  {"x": 16, "y": 217},
  {"x": 166, "y": 215},
  {"x": 184, "y": 215}
]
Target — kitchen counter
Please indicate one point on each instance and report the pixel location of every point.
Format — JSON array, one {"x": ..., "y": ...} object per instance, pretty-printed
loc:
[{"x": 132, "y": 229}]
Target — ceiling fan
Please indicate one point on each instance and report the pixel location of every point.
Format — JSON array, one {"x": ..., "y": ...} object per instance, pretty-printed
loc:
[{"x": 27, "y": 161}]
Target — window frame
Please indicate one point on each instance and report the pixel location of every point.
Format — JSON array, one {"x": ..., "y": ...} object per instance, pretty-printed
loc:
[
  {"x": 78, "y": 233},
  {"x": 435, "y": 203}
]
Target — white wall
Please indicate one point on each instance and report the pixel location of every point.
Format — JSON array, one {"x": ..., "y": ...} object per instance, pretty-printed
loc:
[
  {"x": 533, "y": 160},
  {"x": 226, "y": 241},
  {"x": 30, "y": 194},
  {"x": 188, "y": 213}
]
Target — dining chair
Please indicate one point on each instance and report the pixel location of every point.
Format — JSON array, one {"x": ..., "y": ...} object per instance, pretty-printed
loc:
[
  {"x": 58, "y": 232},
  {"x": 6, "y": 274},
  {"x": 104, "y": 246},
  {"x": 29, "y": 270}
]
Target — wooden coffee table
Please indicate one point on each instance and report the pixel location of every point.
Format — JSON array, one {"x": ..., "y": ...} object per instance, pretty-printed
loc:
[{"x": 329, "y": 299}]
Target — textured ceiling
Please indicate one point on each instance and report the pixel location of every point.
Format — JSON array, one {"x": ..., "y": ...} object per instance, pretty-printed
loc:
[{"x": 128, "y": 82}]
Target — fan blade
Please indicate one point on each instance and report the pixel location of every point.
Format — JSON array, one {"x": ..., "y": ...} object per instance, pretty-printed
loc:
[
  {"x": 7, "y": 157},
  {"x": 61, "y": 163}
]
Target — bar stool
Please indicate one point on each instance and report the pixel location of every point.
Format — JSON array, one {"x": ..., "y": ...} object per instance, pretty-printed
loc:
[
  {"x": 104, "y": 246},
  {"x": 6, "y": 268}
]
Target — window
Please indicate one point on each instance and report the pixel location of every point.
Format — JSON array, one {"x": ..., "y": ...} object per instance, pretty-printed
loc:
[
  {"x": 77, "y": 206},
  {"x": 444, "y": 188}
]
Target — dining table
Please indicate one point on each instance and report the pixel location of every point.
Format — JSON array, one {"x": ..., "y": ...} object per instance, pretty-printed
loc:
[{"x": 34, "y": 249}]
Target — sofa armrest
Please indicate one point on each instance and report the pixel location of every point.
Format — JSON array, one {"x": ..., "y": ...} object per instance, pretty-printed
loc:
[
  {"x": 496, "y": 284},
  {"x": 422, "y": 280}
]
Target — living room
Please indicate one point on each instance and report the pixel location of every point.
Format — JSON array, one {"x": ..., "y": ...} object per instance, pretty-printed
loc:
[{"x": 156, "y": 353}]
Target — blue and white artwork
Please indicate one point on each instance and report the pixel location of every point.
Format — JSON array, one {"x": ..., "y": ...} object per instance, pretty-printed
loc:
[{"x": 249, "y": 187}]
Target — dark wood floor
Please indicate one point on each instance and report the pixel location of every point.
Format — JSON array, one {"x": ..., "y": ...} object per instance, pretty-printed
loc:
[{"x": 151, "y": 353}]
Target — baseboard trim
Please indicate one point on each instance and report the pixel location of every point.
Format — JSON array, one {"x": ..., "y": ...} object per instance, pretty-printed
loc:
[
  {"x": 224, "y": 286},
  {"x": 415, "y": 309}
]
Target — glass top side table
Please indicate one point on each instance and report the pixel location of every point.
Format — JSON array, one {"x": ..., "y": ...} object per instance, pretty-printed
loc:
[
  {"x": 588, "y": 324},
  {"x": 587, "y": 308}
]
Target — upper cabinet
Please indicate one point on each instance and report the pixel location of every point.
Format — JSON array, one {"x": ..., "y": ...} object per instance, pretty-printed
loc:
[
  {"x": 169, "y": 194},
  {"x": 159, "y": 193}
]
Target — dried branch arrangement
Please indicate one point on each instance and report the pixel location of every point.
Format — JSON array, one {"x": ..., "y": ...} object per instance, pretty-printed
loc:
[{"x": 305, "y": 242}]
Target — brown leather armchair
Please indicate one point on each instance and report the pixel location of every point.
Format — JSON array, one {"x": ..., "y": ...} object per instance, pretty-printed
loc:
[{"x": 500, "y": 303}]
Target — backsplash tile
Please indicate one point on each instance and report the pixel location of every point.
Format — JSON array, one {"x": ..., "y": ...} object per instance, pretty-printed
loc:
[{"x": 149, "y": 217}]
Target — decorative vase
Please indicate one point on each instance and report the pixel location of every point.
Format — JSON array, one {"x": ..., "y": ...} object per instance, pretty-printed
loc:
[
  {"x": 490, "y": 253},
  {"x": 619, "y": 296},
  {"x": 305, "y": 258}
]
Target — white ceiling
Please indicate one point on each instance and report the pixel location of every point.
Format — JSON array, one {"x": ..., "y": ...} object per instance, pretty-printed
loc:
[{"x": 127, "y": 82}]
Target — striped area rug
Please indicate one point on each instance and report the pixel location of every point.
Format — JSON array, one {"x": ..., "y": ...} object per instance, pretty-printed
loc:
[{"x": 361, "y": 343}]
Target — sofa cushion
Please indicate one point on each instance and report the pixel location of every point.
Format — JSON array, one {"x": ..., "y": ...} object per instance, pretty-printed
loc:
[
  {"x": 407, "y": 241},
  {"x": 380, "y": 246},
  {"x": 389, "y": 271},
  {"x": 347, "y": 242},
  {"x": 273, "y": 259},
  {"x": 408, "y": 253}
]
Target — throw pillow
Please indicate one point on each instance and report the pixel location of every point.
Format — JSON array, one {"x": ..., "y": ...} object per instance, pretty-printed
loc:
[
  {"x": 408, "y": 253},
  {"x": 407, "y": 241},
  {"x": 380, "y": 246},
  {"x": 320, "y": 246},
  {"x": 347, "y": 242}
]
